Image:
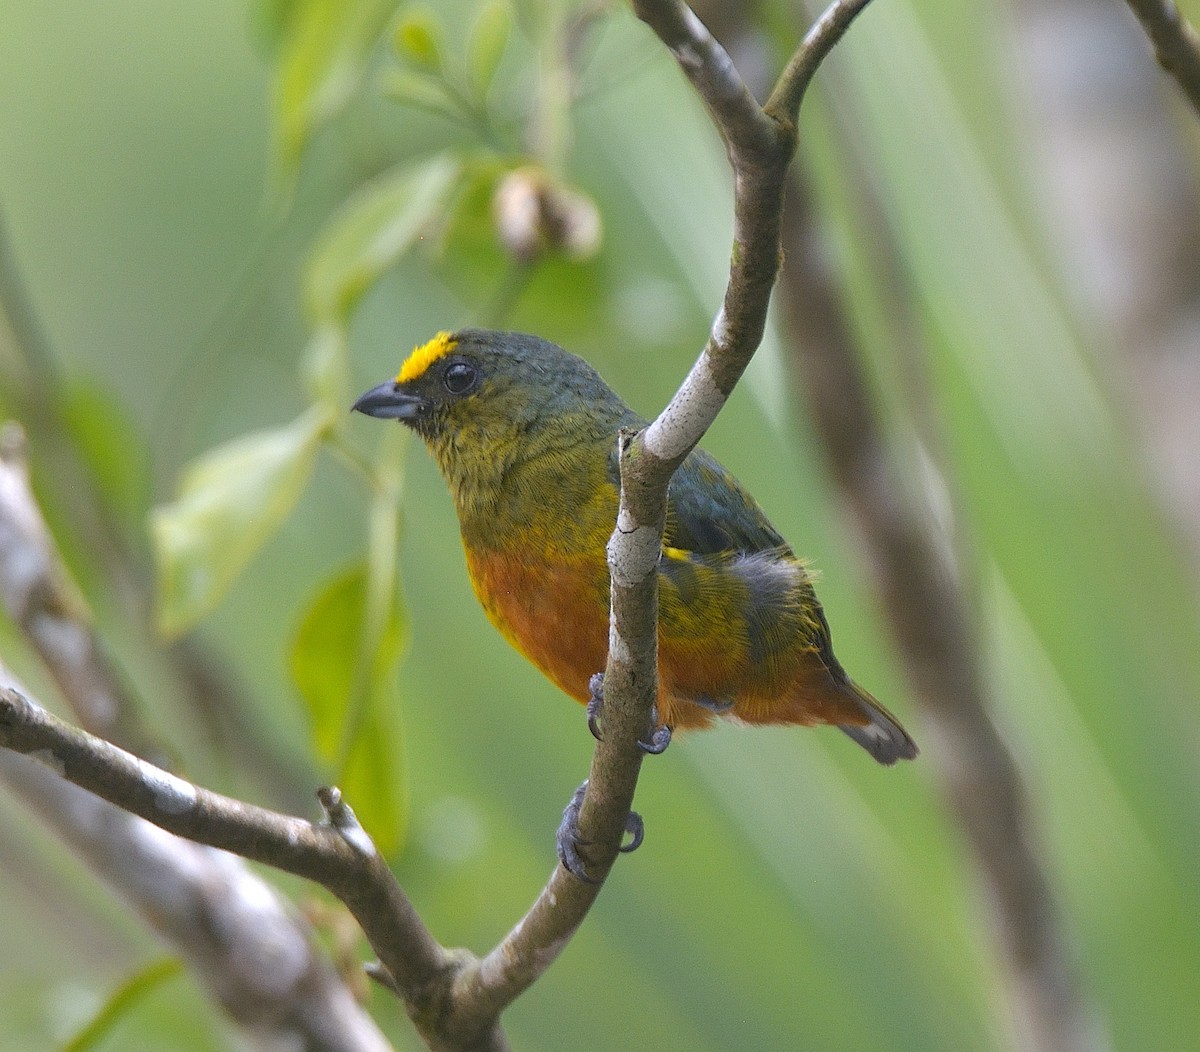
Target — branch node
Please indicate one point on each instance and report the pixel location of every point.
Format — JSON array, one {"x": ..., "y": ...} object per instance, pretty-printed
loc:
[
  {"x": 378, "y": 972},
  {"x": 341, "y": 817}
]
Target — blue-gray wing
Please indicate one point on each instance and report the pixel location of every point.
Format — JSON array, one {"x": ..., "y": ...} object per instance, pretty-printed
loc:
[{"x": 709, "y": 512}]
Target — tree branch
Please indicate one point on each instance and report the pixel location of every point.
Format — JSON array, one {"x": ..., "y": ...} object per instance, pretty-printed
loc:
[
  {"x": 40, "y": 597},
  {"x": 1176, "y": 43},
  {"x": 336, "y": 854},
  {"x": 920, "y": 586},
  {"x": 760, "y": 143},
  {"x": 454, "y": 999},
  {"x": 197, "y": 898},
  {"x": 250, "y": 947}
]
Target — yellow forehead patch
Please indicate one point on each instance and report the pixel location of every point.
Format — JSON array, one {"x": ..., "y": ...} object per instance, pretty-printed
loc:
[{"x": 424, "y": 356}]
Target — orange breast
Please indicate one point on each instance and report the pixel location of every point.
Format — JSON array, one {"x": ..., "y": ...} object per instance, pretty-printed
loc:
[{"x": 555, "y": 612}]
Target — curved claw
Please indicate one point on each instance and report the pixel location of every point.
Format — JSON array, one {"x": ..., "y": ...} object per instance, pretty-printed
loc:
[
  {"x": 658, "y": 742},
  {"x": 659, "y": 739},
  {"x": 595, "y": 703},
  {"x": 567, "y": 839},
  {"x": 636, "y": 828},
  {"x": 593, "y": 717}
]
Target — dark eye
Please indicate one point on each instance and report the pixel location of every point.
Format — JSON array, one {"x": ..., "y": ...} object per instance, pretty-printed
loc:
[{"x": 459, "y": 377}]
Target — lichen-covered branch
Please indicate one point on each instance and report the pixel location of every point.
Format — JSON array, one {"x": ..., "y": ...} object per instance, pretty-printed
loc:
[
  {"x": 1176, "y": 43},
  {"x": 760, "y": 143},
  {"x": 218, "y": 915},
  {"x": 238, "y": 936},
  {"x": 454, "y": 999},
  {"x": 337, "y": 854}
]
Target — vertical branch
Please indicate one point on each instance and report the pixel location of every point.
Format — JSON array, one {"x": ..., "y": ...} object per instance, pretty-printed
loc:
[
  {"x": 920, "y": 588},
  {"x": 760, "y": 143},
  {"x": 760, "y": 146},
  {"x": 1176, "y": 43}
]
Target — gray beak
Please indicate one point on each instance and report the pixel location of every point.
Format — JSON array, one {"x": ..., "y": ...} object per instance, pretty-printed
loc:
[{"x": 389, "y": 402}]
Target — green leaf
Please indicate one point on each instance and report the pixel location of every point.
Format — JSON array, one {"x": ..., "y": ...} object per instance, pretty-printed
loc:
[
  {"x": 325, "y": 368},
  {"x": 420, "y": 91},
  {"x": 486, "y": 43},
  {"x": 372, "y": 779},
  {"x": 332, "y": 660},
  {"x": 124, "y": 999},
  {"x": 418, "y": 38},
  {"x": 325, "y": 49},
  {"x": 230, "y": 502},
  {"x": 372, "y": 231},
  {"x": 343, "y": 664},
  {"x": 109, "y": 442}
]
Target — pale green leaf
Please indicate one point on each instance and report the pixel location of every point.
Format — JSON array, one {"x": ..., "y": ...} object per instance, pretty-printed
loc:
[
  {"x": 418, "y": 39},
  {"x": 343, "y": 664},
  {"x": 419, "y": 90},
  {"x": 230, "y": 501},
  {"x": 372, "y": 231},
  {"x": 372, "y": 779},
  {"x": 486, "y": 44},
  {"x": 123, "y": 1000},
  {"x": 109, "y": 442},
  {"x": 325, "y": 49},
  {"x": 332, "y": 660}
]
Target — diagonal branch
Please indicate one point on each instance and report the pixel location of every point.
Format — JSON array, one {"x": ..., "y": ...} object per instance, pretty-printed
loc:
[
  {"x": 221, "y": 918},
  {"x": 39, "y": 596},
  {"x": 919, "y": 582},
  {"x": 337, "y": 854},
  {"x": 1176, "y": 43},
  {"x": 243, "y": 940},
  {"x": 761, "y": 145}
]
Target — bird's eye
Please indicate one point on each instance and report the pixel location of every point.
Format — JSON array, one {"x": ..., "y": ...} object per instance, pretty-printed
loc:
[{"x": 459, "y": 378}]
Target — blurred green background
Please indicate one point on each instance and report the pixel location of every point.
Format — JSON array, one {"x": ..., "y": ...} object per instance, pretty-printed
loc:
[{"x": 162, "y": 197}]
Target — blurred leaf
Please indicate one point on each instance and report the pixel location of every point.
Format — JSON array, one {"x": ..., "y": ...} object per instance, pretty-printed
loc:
[
  {"x": 344, "y": 668},
  {"x": 420, "y": 90},
  {"x": 109, "y": 442},
  {"x": 123, "y": 1000},
  {"x": 471, "y": 257},
  {"x": 271, "y": 18},
  {"x": 326, "y": 46},
  {"x": 230, "y": 501},
  {"x": 325, "y": 369},
  {"x": 418, "y": 38},
  {"x": 372, "y": 779},
  {"x": 372, "y": 230},
  {"x": 486, "y": 43}
]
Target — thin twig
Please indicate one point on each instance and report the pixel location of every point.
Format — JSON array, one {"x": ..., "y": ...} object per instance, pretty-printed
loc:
[
  {"x": 337, "y": 854},
  {"x": 193, "y": 896},
  {"x": 1176, "y": 43},
  {"x": 236, "y": 934}
]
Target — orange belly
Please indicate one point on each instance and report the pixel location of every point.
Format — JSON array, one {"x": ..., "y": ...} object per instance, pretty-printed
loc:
[{"x": 556, "y": 614}]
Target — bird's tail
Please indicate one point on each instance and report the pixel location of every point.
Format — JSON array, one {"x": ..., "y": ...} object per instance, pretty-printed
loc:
[{"x": 882, "y": 736}]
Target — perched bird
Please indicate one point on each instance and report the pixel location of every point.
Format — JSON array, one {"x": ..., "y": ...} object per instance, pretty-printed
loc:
[{"x": 525, "y": 435}]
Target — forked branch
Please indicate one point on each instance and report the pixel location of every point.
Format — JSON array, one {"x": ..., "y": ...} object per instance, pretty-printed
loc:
[{"x": 454, "y": 998}]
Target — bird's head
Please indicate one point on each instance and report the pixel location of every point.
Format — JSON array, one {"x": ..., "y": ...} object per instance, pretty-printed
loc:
[{"x": 485, "y": 400}]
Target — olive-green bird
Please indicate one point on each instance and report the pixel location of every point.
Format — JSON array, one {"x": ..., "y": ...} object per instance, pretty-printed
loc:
[{"x": 525, "y": 435}]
